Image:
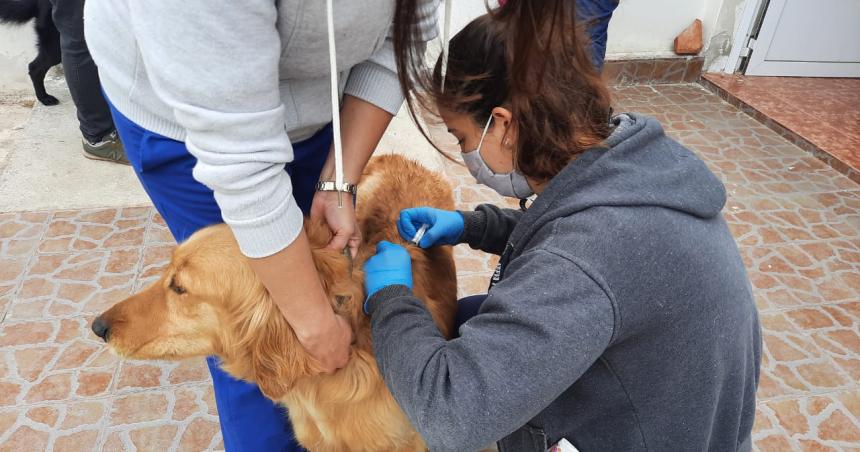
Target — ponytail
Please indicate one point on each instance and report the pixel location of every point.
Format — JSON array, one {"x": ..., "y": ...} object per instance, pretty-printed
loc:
[{"x": 532, "y": 58}]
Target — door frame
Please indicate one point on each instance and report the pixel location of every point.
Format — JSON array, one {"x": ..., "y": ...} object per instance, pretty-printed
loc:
[
  {"x": 761, "y": 40},
  {"x": 748, "y": 27}
]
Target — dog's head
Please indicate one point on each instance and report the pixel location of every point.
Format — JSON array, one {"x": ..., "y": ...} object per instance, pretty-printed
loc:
[{"x": 208, "y": 301}]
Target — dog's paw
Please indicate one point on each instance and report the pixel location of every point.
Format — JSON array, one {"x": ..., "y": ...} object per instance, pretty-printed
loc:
[{"x": 49, "y": 100}]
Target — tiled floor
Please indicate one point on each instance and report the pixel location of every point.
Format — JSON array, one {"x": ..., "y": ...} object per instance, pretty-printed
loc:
[
  {"x": 59, "y": 387},
  {"x": 821, "y": 112},
  {"x": 796, "y": 219}
]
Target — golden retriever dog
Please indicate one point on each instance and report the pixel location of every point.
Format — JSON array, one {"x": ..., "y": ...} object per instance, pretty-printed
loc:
[{"x": 209, "y": 302}]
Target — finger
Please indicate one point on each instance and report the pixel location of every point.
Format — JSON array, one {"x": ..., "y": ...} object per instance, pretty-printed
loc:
[
  {"x": 382, "y": 246},
  {"x": 430, "y": 238},
  {"x": 354, "y": 244},
  {"x": 385, "y": 246},
  {"x": 404, "y": 225},
  {"x": 339, "y": 241},
  {"x": 421, "y": 215}
]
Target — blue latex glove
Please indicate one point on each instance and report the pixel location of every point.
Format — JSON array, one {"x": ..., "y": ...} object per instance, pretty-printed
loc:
[
  {"x": 389, "y": 266},
  {"x": 445, "y": 226}
]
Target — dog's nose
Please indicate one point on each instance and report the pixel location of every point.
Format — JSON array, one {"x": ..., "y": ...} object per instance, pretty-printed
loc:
[{"x": 101, "y": 328}]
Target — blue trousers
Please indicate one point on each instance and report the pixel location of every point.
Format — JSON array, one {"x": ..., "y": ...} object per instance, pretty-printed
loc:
[
  {"x": 596, "y": 15},
  {"x": 467, "y": 308},
  {"x": 249, "y": 421}
]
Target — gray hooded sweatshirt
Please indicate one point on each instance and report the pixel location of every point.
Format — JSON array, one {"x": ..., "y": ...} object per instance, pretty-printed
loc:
[{"x": 620, "y": 318}]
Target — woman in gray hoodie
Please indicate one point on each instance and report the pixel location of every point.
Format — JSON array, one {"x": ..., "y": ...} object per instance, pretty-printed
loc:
[
  {"x": 224, "y": 111},
  {"x": 620, "y": 316}
]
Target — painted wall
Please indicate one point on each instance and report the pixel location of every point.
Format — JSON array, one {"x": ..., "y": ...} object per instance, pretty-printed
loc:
[{"x": 647, "y": 28}]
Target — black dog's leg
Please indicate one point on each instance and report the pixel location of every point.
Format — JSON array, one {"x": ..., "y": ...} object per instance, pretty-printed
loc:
[
  {"x": 48, "y": 43},
  {"x": 38, "y": 69}
]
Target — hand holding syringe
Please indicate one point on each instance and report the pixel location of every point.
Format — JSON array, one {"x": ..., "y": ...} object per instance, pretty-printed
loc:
[{"x": 427, "y": 227}]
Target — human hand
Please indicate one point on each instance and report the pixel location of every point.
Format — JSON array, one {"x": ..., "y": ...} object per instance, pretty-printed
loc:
[
  {"x": 389, "y": 266},
  {"x": 445, "y": 226},
  {"x": 329, "y": 342},
  {"x": 341, "y": 220}
]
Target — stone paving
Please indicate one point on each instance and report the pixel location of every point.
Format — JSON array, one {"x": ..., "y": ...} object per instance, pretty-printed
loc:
[{"x": 796, "y": 220}]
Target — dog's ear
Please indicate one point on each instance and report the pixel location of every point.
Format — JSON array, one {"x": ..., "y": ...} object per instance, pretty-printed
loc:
[
  {"x": 276, "y": 357},
  {"x": 274, "y": 360}
]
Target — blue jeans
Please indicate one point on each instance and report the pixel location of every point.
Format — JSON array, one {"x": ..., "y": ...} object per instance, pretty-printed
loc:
[
  {"x": 466, "y": 309},
  {"x": 596, "y": 15},
  {"x": 249, "y": 420},
  {"x": 82, "y": 76}
]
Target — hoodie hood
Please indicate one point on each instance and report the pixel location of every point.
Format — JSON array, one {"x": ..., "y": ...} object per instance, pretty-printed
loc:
[{"x": 639, "y": 166}]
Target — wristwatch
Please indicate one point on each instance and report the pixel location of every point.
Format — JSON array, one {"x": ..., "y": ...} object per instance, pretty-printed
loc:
[{"x": 345, "y": 187}]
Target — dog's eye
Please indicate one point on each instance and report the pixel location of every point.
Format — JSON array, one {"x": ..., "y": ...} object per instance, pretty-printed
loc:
[{"x": 176, "y": 287}]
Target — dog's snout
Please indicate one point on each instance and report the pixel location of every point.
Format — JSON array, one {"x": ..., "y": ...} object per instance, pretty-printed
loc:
[{"x": 101, "y": 328}]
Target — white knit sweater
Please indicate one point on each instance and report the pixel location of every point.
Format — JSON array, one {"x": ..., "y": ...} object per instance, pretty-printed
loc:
[{"x": 237, "y": 82}]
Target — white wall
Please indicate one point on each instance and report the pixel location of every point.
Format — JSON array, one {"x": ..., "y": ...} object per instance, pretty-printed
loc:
[
  {"x": 647, "y": 28},
  {"x": 17, "y": 49}
]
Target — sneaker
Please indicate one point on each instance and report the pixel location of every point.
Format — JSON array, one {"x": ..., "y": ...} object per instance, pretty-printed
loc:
[{"x": 108, "y": 149}]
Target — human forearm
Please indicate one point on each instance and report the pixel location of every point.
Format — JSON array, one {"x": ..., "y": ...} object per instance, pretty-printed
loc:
[
  {"x": 362, "y": 126},
  {"x": 488, "y": 227},
  {"x": 291, "y": 278}
]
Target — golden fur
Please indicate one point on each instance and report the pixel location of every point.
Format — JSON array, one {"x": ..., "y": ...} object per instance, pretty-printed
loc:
[{"x": 209, "y": 302}]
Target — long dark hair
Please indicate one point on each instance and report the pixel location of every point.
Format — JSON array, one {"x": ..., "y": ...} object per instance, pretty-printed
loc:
[{"x": 528, "y": 56}]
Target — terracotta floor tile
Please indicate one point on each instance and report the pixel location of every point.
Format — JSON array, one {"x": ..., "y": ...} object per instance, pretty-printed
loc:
[
  {"x": 820, "y": 110},
  {"x": 200, "y": 434},
  {"x": 683, "y": 94},
  {"x": 25, "y": 438},
  {"x": 160, "y": 437},
  {"x": 77, "y": 441},
  {"x": 773, "y": 443},
  {"x": 93, "y": 383},
  {"x": 814, "y": 423},
  {"x": 49, "y": 388},
  {"x": 139, "y": 375},
  {"x": 140, "y": 407},
  {"x": 158, "y": 234},
  {"x": 187, "y": 371},
  {"x": 84, "y": 413},
  {"x": 629, "y": 98}
]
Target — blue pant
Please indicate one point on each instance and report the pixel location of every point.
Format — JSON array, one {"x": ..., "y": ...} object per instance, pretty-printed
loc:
[
  {"x": 249, "y": 421},
  {"x": 596, "y": 15},
  {"x": 466, "y": 309}
]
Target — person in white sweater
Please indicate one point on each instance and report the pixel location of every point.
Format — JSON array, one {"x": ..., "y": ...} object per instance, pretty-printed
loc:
[{"x": 224, "y": 111}]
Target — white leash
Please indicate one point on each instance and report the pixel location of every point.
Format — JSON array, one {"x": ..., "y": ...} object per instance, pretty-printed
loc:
[
  {"x": 446, "y": 32},
  {"x": 335, "y": 105}
]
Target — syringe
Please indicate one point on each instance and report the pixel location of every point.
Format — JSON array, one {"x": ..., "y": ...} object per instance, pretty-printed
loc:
[{"x": 420, "y": 234}]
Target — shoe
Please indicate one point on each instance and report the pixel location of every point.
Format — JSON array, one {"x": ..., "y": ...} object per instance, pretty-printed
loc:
[{"x": 108, "y": 149}]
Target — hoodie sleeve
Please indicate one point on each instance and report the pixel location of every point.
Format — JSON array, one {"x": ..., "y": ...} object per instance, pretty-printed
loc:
[
  {"x": 489, "y": 227},
  {"x": 216, "y": 65},
  {"x": 532, "y": 340},
  {"x": 375, "y": 80}
]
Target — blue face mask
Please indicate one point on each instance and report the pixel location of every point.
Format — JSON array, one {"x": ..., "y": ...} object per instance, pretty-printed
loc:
[{"x": 512, "y": 184}]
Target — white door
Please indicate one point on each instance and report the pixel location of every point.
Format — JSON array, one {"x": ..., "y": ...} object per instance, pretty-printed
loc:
[{"x": 808, "y": 38}]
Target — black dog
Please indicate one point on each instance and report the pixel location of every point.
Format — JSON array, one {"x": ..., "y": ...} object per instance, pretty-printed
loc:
[{"x": 21, "y": 11}]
